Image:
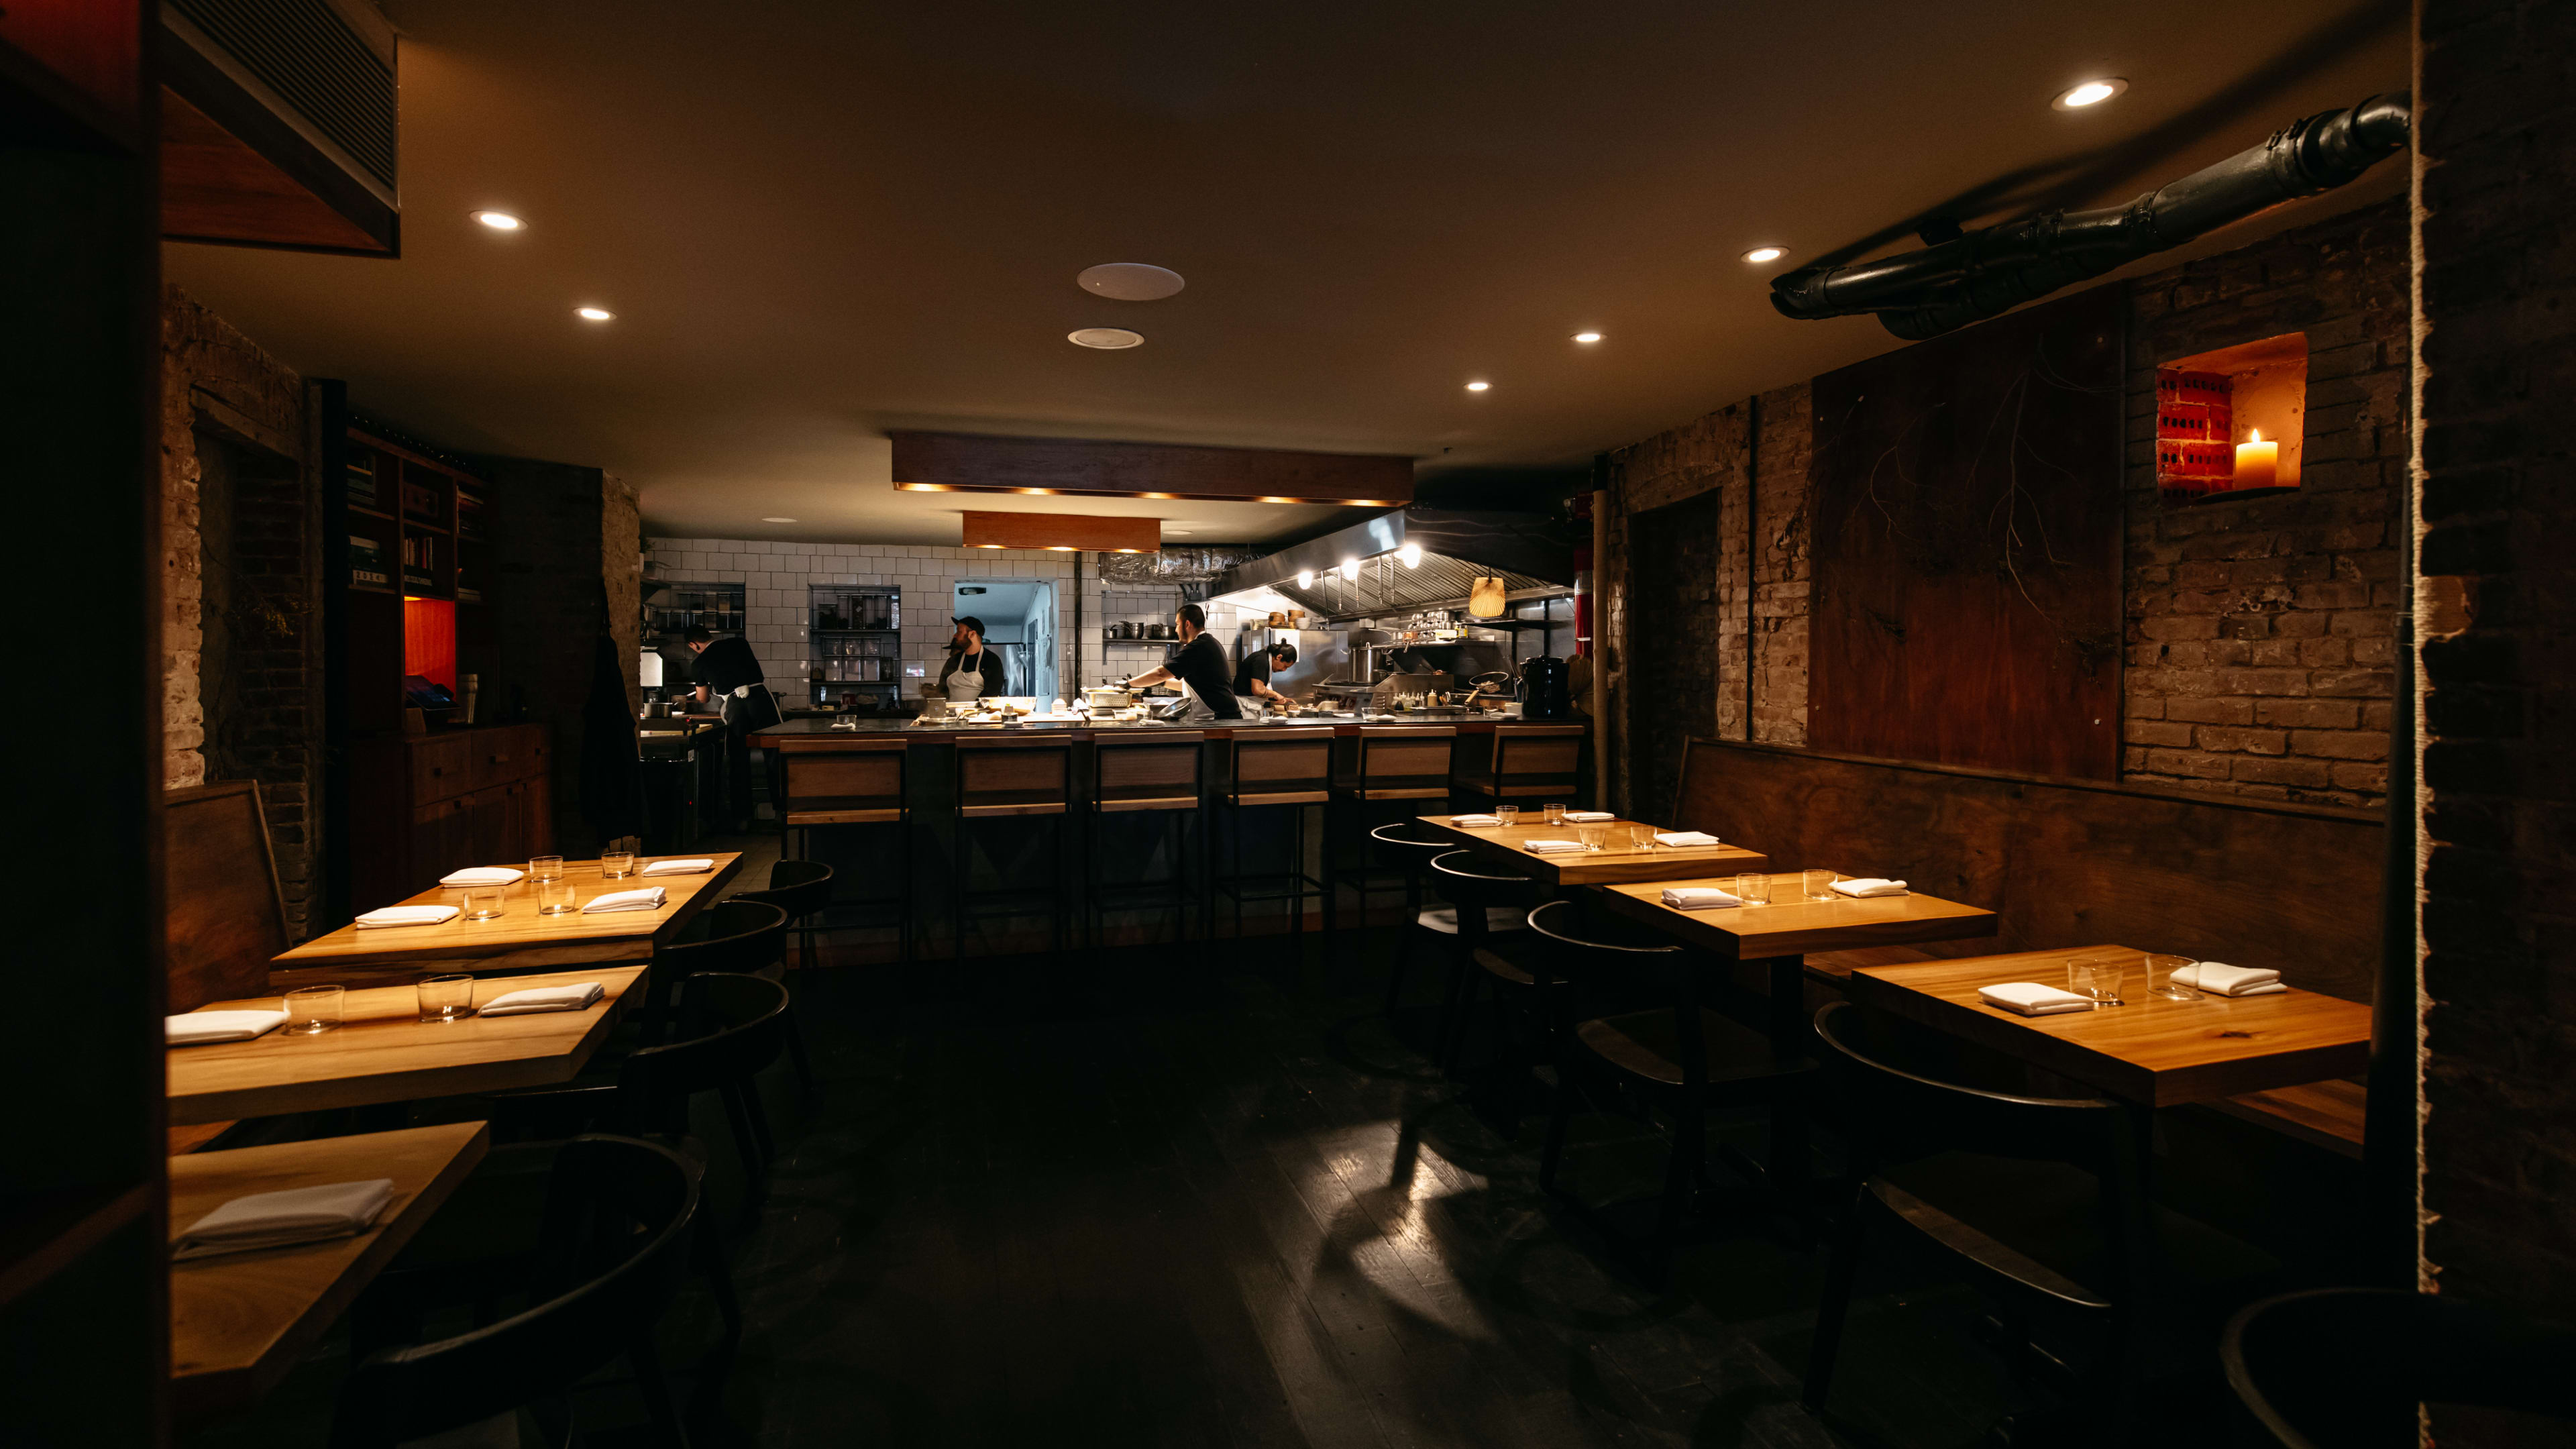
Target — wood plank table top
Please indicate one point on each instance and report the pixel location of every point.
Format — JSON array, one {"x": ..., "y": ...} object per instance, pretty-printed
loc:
[
  {"x": 522, "y": 940},
  {"x": 239, "y": 1322},
  {"x": 1795, "y": 927},
  {"x": 1617, "y": 862},
  {"x": 2152, "y": 1052},
  {"x": 384, "y": 1052}
]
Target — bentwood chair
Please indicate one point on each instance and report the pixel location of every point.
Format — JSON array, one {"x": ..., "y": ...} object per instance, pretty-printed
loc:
[
  {"x": 1484, "y": 904},
  {"x": 1423, "y": 923},
  {"x": 1157, "y": 777},
  {"x": 613, "y": 1241},
  {"x": 2348, "y": 1368},
  {"x": 2040, "y": 1201},
  {"x": 803, "y": 889},
  {"x": 1678, "y": 1057},
  {"x": 741, "y": 935}
]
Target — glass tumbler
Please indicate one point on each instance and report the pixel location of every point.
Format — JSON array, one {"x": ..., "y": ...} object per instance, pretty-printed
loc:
[
  {"x": 1510, "y": 815},
  {"x": 1594, "y": 837},
  {"x": 1641, "y": 837},
  {"x": 2160, "y": 982},
  {"x": 1753, "y": 888},
  {"x": 557, "y": 897},
  {"x": 1819, "y": 884},
  {"x": 617, "y": 864},
  {"x": 482, "y": 903},
  {"x": 1552, "y": 814},
  {"x": 2097, "y": 977},
  {"x": 313, "y": 1010},
  {"x": 545, "y": 867},
  {"x": 446, "y": 998}
]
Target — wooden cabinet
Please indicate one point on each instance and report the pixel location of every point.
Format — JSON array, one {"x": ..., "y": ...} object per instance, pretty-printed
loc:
[{"x": 423, "y": 806}]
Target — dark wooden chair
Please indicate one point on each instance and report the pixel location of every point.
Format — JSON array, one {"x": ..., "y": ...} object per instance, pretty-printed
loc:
[
  {"x": 1161, "y": 775},
  {"x": 1676, "y": 1056},
  {"x": 1277, "y": 768},
  {"x": 2040, "y": 1200},
  {"x": 1423, "y": 923},
  {"x": 803, "y": 889},
  {"x": 1525, "y": 762},
  {"x": 1403, "y": 766},
  {"x": 226, "y": 915},
  {"x": 2349, "y": 1368},
  {"x": 1025, "y": 777},
  {"x": 846, "y": 784},
  {"x": 614, "y": 1240},
  {"x": 737, "y": 936},
  {"x": 1476, "y": 893}
]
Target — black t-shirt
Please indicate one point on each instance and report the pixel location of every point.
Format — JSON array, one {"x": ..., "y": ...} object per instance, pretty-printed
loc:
[
  {"x": 987, "y": 663},
  {"x": 1201, "y": 666},
  {"x": 1255, "y": 665},
  {"x": 727, "y": 665}
]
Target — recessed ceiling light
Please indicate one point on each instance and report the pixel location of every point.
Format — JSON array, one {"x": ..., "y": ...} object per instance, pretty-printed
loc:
[
  {"x": 1130, "y": 281},
  {"x": 1108, "y": 339},
  {"x": 499, "y": 220},
  {"x": 594, "y": 314},
  {"x": 1478, "y": 386},
  {"x": 1759, "y": 255},
  {"x": 778, "y": 520},
  {"x": 1587, "y": 337},
  {"x": 2089, "y": 93}
]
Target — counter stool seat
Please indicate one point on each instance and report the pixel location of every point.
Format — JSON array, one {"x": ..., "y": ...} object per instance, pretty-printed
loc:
[
  {"x": 1526, "y": 762},
  {"x": 838, "y": 784},
  {"x": 1281, "y": 768},
  {"x": 1025, "y": 777},
  {"x": 1399, "y": 765},
  {"x": 1163, "y": 774}
]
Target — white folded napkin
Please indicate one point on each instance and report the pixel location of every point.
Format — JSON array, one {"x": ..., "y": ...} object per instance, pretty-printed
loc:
[
  {"x": 1700, "y": 898},
  {"x": 2220, "y": 979},
  {"x": 482, "y": 875},
  {"x": 196, "y": 1028},
  {"x": 1475, "y": 820},
  {"x": 647, "y": 899},
  {"x": 1869, "y": 885},
  {"x": 576, "y": 997},
  {"x": 1684, "y": 837},
  {"x": 1587, "y": 817},
  {"x": 1550, "y": 847},
  {"x": 277, "y": 1219},
  {"x": 2032, "y": 999},
  {"x": 407, "y": 916},
  {"x": 680, "y": 867}
]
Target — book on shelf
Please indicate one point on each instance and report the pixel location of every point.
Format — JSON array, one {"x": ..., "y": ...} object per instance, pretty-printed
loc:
[
  {"x": 468, "y": 594},
  {"x": 361, "y": 479},
  {"x": 367, "y": 562},
  {"x": 469, "y": 515}
]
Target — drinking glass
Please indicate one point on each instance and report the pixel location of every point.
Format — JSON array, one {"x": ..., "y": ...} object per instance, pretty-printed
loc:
[
  {"x": 1753, "y": 888},
  {"x": 1641, "y": 837},
  {"x": 617, "y": 864},
  {"x": 1819, "y": 884},
  {"x": 482, "y": 903},
  {"x": 1510, "y": 815},
  {"x": 1593, "y": 837},
  {"x": 545, "y": 868},
  {"x": 557, "y": 897},
  {"x": 312, "y": 1010},
  {"x": 2160, "y": 982},
  {"x": 446, "y": 998},
  {"x": 2098, "y": 977},
  {"x": 1552, "y": 814}
]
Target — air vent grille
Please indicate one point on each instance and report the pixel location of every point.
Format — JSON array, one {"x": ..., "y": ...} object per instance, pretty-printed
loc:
[{"x": 305, "y": 52}]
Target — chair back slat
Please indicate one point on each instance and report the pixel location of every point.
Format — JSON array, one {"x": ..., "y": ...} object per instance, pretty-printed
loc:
[
  {"x": 1476, "y": 890},
  {"x": 1014, "y": 775},
  {"x": 1405, "y": 761},
  {"x": 1272, "y": 762},
  {"x": 797, "y": 887},
  {"x": 226, "y": 916},
  {"x": 1159, "y": 767},
  {"x": 734, "y": 1028},
  {"x": 1901, "y": 1109}
]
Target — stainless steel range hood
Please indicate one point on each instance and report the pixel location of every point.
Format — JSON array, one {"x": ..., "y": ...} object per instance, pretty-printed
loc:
[{"x": 1457, "y": 547}]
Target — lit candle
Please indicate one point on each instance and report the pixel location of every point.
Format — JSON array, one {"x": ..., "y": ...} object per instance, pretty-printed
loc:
[{"x": 2258, "y": 463}]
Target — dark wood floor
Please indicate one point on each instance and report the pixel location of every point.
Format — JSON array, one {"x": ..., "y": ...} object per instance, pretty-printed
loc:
[{"x": 1212, "y": 1197}]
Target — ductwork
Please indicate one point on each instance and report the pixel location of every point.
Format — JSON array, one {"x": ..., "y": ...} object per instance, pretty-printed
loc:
[{"x": 1986, "y": 273}]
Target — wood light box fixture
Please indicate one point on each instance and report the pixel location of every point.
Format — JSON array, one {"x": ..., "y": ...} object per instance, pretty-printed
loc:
[
  {"x": 2232, "y": 421},
  {"x": 1063, "y": 532},
  {"x": 1084, "y": 468}
]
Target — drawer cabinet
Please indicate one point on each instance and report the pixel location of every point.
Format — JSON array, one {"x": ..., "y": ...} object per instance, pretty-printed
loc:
[{"x": 421, "y": 807}]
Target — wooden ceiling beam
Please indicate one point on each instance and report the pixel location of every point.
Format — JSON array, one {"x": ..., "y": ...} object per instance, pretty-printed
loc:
[{"x": 1088, "y": 468}]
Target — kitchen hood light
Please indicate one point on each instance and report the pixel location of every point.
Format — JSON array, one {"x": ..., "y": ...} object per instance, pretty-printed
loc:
[
  {"x": 1351, "y": 570},
  {"x": 1411, "y": 553},
  {"x": 1478, "y": 386},
  {"x": 2090, "y": 93},
  {"x": 1305, "y": 578},
  {"x": 1587, "y": 338},
  {"x": 1759, "y": 255},
  {"x": 778, "y": 520},
  {"x": 594, "y": 314},
  {"x": 499, "y": 220}
]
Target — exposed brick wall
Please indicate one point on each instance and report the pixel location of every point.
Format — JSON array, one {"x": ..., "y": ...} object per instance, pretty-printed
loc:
[
  {"x": 2497, "y": 609},
  {"x": 2261, "y": 632},
  {"x": 1784, "y": 565},
  {"x": 621, "y": 567},
  {"x": 1705, "y": 454}
]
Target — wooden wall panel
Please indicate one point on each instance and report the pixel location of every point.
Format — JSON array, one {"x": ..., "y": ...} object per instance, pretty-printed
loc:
[
  {"x": 225, "y": 916},
  {"x": 1967, "y": 547},
  {"x": 1672, "y": 643}
]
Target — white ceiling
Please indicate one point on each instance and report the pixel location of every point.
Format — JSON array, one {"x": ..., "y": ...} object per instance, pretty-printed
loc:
[{"x": 819, "y": 220}]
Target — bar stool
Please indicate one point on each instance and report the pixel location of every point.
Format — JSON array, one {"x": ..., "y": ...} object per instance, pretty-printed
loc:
[
  {"x": 1396, "y": 763},
  {"x": 1158, "y": 771},
  {"x": 1013, "y": 775},
  {"x": 1276, "y": 766},
  {"x": 827, "y": 784},
  {"x": 1526, "y": 762}
]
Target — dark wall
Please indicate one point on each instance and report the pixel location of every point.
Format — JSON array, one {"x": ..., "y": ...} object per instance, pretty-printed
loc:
[
  {"x": 1673, "y": 660},
  {"x": 551, "y": 607}
]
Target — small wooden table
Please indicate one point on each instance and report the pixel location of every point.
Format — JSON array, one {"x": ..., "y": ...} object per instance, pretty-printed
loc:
[
  {"x": 383, "y": 1052},
  {"x": 2151, "y": 1052},
  {"x": 1619, "y": 861},
  {"x": 521, "y": 940},
  {"x": 240, "y": 1321}
]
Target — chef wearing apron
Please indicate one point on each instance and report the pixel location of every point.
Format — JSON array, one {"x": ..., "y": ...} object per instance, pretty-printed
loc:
[
  {"x": 973, "y": 671},
  {"x": 728, "y": 675},
  {"x": 1199, "y": 667}
]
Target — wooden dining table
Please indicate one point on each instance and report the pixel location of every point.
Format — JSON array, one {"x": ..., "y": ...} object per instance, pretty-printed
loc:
[
  {"x": 240, "y": 1321},
  {"x": 1617, "y": 861},
  {"x": 384, "y": 1052},
  {"x": 518, "y": 940},
  {"x": 2150, "y": 1051}
]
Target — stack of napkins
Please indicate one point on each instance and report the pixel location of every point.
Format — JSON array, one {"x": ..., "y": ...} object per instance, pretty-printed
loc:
[
  {"x": 2032, "y": 999},
  {"x": 680, "y": 867},
  {"x": 1684, "y": 837},
  {"x": 1472, "y": 822},
  {"x": 1869, "y": 885},
  {"x": 1587, "y": 817},
  {"x": 575, "y": 997},
  {"x": 1700, "y": 898},
  {"x": 2220, "y": 979},
  {"x": 281, "y": 1219},
  {"x": 647, "y": 899},
  {"x": 482, "y": 875},
  {"x": 196, "y": 1028},
  {"x": 1550, "y": 847},
  {"x": 407, "y": 916}
]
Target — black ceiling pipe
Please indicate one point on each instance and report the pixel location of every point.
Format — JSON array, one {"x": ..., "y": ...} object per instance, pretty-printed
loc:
[{"x": 1986, "y": 273}]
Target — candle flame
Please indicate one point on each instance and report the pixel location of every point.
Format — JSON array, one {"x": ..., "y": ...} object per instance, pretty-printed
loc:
[{"x": 2258, "y": 435}]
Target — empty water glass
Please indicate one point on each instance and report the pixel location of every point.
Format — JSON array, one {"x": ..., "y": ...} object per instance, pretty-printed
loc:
[
  {"x": 2160, "y": 982},
  {"x": 1510, "y": 815},
  {"x": 446, "y": 998},
  {"x": 1819, "y": 884},
  {"x": 1641, "y": 837},
  {"x": 557, "y": 897},
  {"x": 1753, "y": 888},
  {"x": 1552, "y": 814},
  {"x": 617, "y": 864},
  {"x": 312, "y": 1010},
  {"x": 2097, "y": 977},
  {"x": 482, "y": 903},
  {"x": 1594, "y": 837},
  {"x": 545, "y": 867}
]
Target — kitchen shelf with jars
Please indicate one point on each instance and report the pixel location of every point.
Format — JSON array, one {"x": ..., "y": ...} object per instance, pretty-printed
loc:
[{"x": 856, "y": 636}]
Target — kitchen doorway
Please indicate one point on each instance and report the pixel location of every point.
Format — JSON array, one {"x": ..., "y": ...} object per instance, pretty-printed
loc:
[{"x": 1019, "y": 625}]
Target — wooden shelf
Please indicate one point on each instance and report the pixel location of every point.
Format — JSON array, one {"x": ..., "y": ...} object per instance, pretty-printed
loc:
[{"x": 365, "y": 512}]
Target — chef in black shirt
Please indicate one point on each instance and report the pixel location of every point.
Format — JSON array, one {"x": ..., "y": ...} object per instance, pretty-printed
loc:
[
  {"x": 973, "y": 671},
  {"x": 1252, "y": 676},
  {"x": 1199, "y": 667},
  {"x": 728, "y": 674}
]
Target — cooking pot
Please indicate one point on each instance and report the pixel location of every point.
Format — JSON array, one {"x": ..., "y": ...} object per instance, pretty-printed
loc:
[
  {"x": 1158, "y": 631},
  {"x": 1278, "y": 620}
]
